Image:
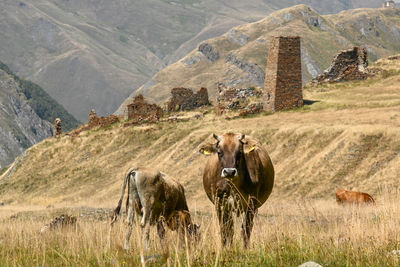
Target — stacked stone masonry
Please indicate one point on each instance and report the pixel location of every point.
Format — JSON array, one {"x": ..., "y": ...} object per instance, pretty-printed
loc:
[
  {"x": 247, "y": 100},
  {"x": 140, "y": 110},
  {"x": 95, "y": 121},
  {"x": 57, "y": 127},
  {"x": 283, "y": 78},
  {"x": 348, "y": 65},
  {"x": 185, "y": 99}
]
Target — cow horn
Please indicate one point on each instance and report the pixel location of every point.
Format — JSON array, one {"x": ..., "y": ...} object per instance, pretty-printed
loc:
[
  {"x": 241, "y": 137},
  {"x": 216, "y": 137}
]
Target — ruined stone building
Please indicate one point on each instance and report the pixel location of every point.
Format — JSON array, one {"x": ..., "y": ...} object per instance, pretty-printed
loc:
[
  {"x": 247, "y": 99},
  {"x": 348, "y": 65},
  {"x": 283, "y": 80},
  {"x": 95, "y": 120},
  {"x": 185, "y": 99},
  {"x": 139, "y": 109},
  {"x": 389, "y": 4}
]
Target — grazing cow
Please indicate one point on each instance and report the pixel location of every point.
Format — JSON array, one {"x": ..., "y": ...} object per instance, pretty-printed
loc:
[
  {"x": 157, "y": 198},
  {"x": 238, "y": 176},
  {"x": 352, "y": 197}
]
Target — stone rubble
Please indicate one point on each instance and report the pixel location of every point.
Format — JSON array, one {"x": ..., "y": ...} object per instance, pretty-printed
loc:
[
  {"x": 184, "y": 99},
  {"x": 94, "y": 122},
  {"x": 60, "y": 222},
  {"x": 351, "y": 64},
  {"x": 238, "y": 99}
]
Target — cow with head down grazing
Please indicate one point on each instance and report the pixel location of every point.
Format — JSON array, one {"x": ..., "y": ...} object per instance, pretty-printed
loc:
[
  {"x": 238, "y": 177},
  {"x": 158, "y": 199}
]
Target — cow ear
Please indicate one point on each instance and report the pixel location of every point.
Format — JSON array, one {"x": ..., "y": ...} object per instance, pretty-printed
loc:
[
  {"x": 253, "y": 161},
  {"x": 208, "y": 149}
]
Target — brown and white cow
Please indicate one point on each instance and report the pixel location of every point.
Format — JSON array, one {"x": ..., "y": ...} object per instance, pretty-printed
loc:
[
  {"x": 238, "y": 177},
  {"x": 352, "y": 197},
  {"x": 158, "y": 199}
]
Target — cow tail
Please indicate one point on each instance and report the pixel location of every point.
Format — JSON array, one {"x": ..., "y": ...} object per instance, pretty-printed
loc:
[{"x": 117, "y": 210}]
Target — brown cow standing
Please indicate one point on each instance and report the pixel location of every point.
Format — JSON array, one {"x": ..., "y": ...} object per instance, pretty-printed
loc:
[
  {"x": 238, "y": 176},
  {"x": 352, "y": 197},
  {"x": 157, "y": 198}
]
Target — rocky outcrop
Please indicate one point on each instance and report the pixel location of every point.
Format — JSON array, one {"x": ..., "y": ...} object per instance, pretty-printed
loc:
[
  {"x": 254, "y": 71},
  {"x": 238, "y": 37},
  {"x": 20, "y": 126},
  {"x": 185, "y": 99},
  {"x": 209, "y": 52},
  {"x": 348, "y": 65}
]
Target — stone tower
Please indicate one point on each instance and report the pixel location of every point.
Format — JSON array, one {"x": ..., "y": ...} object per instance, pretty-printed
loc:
[
  {"x": 389, "y": 4},
  {"x": 283, "y": 81}
]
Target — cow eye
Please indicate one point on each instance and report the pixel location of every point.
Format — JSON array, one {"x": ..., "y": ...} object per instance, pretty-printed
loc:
[{"x": 220, "y": 154}]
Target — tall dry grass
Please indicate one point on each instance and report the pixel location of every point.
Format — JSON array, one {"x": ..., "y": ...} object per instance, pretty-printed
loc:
[{"x": 285, "y": 234}]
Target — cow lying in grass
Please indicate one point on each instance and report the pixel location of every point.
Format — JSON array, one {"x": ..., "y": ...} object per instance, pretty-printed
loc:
[
  {"x": 352, "y": 197},
  {"x": 158, "y": 199}
]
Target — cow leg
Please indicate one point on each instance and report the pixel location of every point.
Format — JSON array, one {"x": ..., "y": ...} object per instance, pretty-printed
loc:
[
  {"x": 247, "y": 224},
  {"x": 130, "y": 215},
  {"x": 145, "y": 222},
  {"x": 129, "y": 233},
  {"x": 161, "y": 232},
  {"x": 225, "y": 219}
]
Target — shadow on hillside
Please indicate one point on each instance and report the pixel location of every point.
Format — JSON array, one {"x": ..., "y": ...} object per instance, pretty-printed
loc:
[{"x": 310, "y": 102}]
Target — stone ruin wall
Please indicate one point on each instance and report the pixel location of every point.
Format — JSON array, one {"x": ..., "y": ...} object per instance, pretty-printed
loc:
[
  {"x": 246, "y": 100},
  {"x": 348, "y": 65},
  {"x": 95, "y": 120},
  {"x": 140, "y": 110},
  {"x": 283, "y": 80},
  {"x": 184, "y": 99}
]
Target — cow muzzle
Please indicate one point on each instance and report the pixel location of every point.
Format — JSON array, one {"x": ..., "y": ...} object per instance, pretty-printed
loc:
[{"x": 229, "y": 172}]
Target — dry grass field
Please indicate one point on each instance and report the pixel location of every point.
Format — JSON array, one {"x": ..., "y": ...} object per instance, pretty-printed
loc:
[
  {"x": 287, "y": 233},
  {"x": 348, "y": 136}
]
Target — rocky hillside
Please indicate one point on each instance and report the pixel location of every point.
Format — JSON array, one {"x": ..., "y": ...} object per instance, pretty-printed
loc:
[
  {"x": 348, "y": 137},
  {"x": 238, "y": 57},
  {"x": 93, "y": 54},
  {"x": 26, "y": 114},
  {"x": 20, "y": 126}
]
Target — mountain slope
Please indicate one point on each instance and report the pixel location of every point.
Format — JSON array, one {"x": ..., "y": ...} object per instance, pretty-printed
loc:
[
  {"x": 20, "y": 126},
  {"x": 242, "y": 51},
  {"x": 42, "y": 104},
  {"x": 26, "y": 115},
  {"x": 93, "y": 54},
  {"x": 348, "y": 138}
]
